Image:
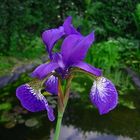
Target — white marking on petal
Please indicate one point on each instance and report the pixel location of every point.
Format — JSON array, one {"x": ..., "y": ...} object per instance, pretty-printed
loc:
[
  {"x": 52, "y": 79},
  {"x": 36, "y": 93},
  {"x": 100, "y": 87},
  {"x": 104, "y": 95}
]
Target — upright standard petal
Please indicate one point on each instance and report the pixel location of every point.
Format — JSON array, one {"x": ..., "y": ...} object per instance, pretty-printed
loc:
[
  {"x": 68, "y": 27},
  {"x": 74, "y": 48},
  {"x": 44, "y": 69},
  {"x": 104, "y": 95},
  {"x": 52, "y": 85},
  {"x": 51, "y": 36},
  {"x": 68, "y": 45},
  {"x": 88, "y": 68},
  {"x": 33, "y": 100}
]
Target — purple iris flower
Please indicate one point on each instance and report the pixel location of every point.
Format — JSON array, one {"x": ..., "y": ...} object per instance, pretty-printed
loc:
[{"x": 72, "y": 53}]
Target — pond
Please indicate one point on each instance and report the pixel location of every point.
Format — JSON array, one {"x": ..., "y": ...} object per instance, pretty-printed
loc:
[{"x": 81, "y": 121}]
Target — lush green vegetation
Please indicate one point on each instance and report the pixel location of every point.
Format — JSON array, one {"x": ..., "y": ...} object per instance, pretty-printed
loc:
[{"x": 116, "y": 28}]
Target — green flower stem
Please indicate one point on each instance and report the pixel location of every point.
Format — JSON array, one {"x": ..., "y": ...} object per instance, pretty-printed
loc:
[
  {"x": 62, "y": 110},
  {"x": 67, "y": 91},
  {"x": 58, "y": 125}
]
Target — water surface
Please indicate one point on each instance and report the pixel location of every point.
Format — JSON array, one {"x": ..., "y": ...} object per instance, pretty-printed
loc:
[{"x": 81, "y": 122}]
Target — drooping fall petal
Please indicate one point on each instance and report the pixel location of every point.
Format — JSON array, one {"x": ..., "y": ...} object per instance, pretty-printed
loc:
[
  {"x": 33, "y": 100},
  {"x": 104, "y": 95}
]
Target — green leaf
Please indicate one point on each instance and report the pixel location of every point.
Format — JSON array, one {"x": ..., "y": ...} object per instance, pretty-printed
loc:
[{"x": 5, "y": 106}]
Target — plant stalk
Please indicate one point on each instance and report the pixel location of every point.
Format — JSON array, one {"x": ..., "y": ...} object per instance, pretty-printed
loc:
[
  {"x": 58, "y": 126},
  {"x": 60, "y": 109}
]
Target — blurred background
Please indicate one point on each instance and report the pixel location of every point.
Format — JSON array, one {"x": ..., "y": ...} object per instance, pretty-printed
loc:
[{"x": 116, "y": 51}]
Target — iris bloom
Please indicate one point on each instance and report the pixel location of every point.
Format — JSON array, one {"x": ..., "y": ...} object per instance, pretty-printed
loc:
[{"x": 72, "y": 53}]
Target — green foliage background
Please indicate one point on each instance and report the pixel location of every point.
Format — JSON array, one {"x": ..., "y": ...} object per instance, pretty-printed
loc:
[
  {"x": 116, "y": 25},
  {"x": 23, "y": 21}
]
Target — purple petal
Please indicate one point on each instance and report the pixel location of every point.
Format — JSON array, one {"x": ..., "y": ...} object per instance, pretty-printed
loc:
[
  {"x": 44, "y": 69},
  {"x": 68, "y": 27},
  {"x": 52, "y": 85},
  {"x": 88, "y": 68},
  {"x": 104, "y": 95},
  {"x": 68, "y": 45},
  {"x": 57, "y": 58},
  {"x": 33, "y": 100},
  {"x": 75, "y": 47},
  {"x": 51, "y": 36}
]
